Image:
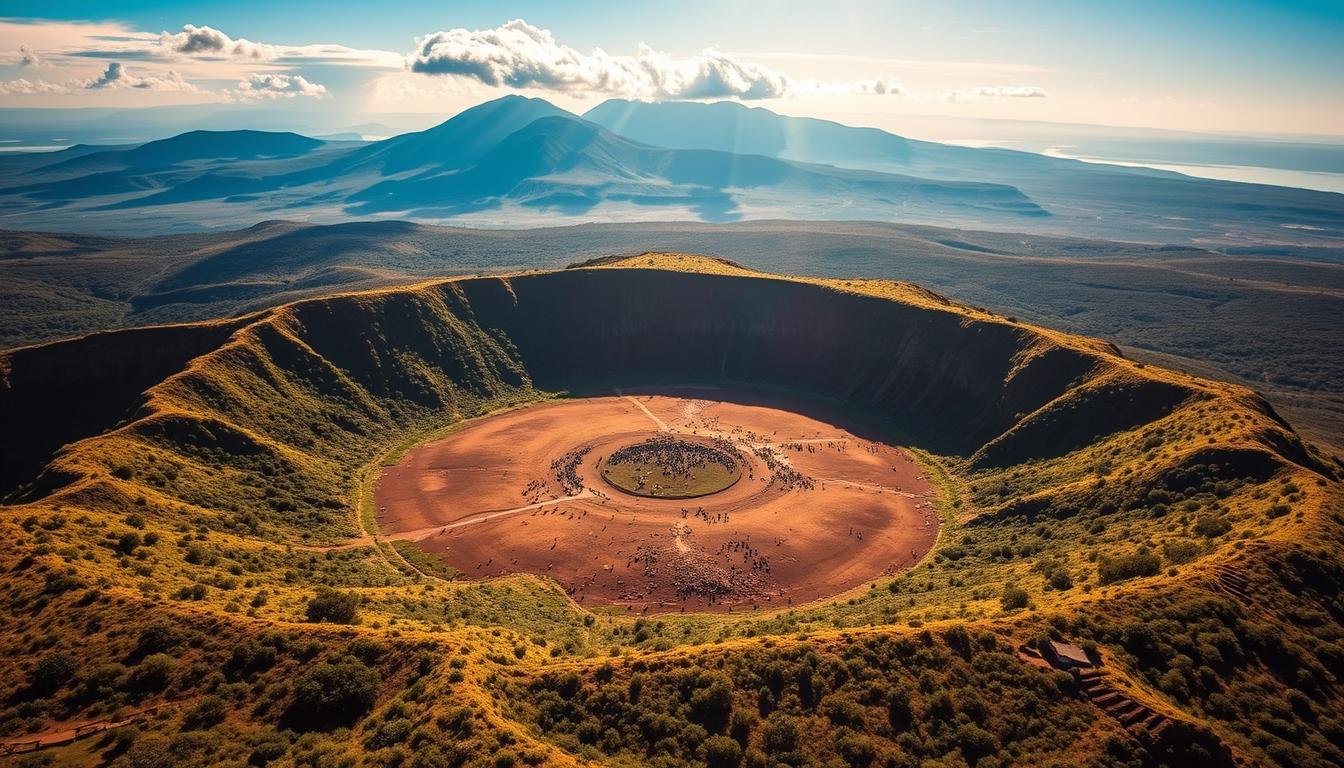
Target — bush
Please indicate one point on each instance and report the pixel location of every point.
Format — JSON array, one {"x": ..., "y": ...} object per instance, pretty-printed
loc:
[
  {"x": 150, "y": 752},
  {"x": 1141, "y": 563},
  {"x": 975, "y": 741},
  {"x": 1014, "y": 598},
  {"x": 333, "y": 605},
  {"x": 1180, "y": 551},
  {"x": 269, "y": 749},
  {"x": 721, "y": 752},
  {"x": 51, "y": 672},
  {"x": 152, "y": 675},
  {"x": 1060, "y": 580},
  {"x": 857, "y": 750},
  {"x": 1212, "y": 526},
  {"x": 779, "y": 734},
  {"x": 207, "y": 712},
  {"x": 390, "y": 733},
  {"x": 330, "y": 695},
  {"x": 711, "y": 705}
]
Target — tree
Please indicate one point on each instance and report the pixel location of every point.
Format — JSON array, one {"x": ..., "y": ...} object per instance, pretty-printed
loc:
[
  {"x": 712, "y": 704},
  {"x": 51, "y": 672},
  {"x": 333, "y": 605},
  {"x": 721, "y": 752},
  {"x": 330, "y": 695}
]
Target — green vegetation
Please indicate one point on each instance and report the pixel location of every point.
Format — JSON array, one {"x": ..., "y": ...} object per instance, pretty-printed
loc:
[
  {"x": 209, "y": 556},
  {"x": 671, "y": 469}
]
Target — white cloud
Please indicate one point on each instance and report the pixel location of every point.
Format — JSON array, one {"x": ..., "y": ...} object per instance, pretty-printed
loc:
[
  {"x": 210, "y": 42},
  {"x": 519, "y": 55},
  {"x": 979, "y": 92},
  {"x": 116, "y": 76},
  {"x": 277, "y": 86},
  {"x": 879, "y": 87},
  {"x": 25, "y": 87},
  {"x": 27, "y": 58}
]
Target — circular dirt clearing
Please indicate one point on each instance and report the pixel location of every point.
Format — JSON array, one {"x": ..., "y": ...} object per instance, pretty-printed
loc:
[
  {"x": 810, "y": 510},
  {"x": 667, "y": 467}
]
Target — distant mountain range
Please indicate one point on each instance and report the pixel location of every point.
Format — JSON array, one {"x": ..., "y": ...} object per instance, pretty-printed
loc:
[{"x": 520, "y": 161}]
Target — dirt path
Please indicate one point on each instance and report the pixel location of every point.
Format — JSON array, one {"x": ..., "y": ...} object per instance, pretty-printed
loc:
[
  {"x": 662, "y": 425},
  {"x": 424, "y": 533},
  {"x": 68, "y": 732}
]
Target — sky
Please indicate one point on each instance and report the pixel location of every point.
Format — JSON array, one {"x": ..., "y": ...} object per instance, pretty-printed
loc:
[{"x": 1273, "y": 68}]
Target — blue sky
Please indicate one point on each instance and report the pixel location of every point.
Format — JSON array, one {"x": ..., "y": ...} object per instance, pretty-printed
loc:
[{"x": 1246, "y": 67}]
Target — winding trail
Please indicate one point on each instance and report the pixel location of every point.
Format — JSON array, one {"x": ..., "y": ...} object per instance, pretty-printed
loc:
[
  {"x": 424, "y": 533},
  {"x": 662, "y": 425},
  {"x": 870, "y": 487}
]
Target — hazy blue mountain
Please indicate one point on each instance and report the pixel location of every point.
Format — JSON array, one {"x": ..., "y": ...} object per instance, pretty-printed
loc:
[
  {"x": 459, "y": 141},
  {"x": 572, "y": 166},
  {"x": 733, "y": 127},
  {"x": 188, "y": 147},
  {"x": 519, "y": 161},
  {"x": 1086, "y": 198}
]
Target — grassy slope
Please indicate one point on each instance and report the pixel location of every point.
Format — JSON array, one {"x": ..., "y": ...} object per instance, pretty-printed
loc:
[
  {"x": 1263, "y": 319},
  {"x": 246, "y": 467}
]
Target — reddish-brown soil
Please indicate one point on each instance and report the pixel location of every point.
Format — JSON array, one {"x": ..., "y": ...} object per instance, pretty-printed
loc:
[{"x": 818, "y": 510}]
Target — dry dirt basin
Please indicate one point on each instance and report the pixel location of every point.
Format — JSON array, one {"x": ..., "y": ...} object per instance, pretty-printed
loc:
[{"x": 817, "y": 511}]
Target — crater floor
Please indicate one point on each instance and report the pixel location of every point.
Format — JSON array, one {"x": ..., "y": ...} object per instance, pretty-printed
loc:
[{"x": 818, "y": 510}]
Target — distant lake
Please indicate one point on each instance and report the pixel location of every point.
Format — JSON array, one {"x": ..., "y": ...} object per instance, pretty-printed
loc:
[{"x": 1251, "y": 174}]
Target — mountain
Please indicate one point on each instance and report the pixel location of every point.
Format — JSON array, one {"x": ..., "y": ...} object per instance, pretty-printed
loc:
[
  {"x": 192, "y": 146},
  {"x": 1087, "y": 199},
  {"x": 459, "y": 141},
  {"x": 570, "y": 165},
  {"x": 733, "y": 127},
  {"x": 519, "y": 161}
]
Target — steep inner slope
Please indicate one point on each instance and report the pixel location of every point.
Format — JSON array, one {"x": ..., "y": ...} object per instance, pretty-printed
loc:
[{"x": 1101, "y": 490}]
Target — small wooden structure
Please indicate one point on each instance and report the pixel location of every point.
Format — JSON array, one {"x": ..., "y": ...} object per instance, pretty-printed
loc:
[{"x": 1066, "y": 656}]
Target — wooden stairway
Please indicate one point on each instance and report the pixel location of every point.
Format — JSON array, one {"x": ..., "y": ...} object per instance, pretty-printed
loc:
[{"x": 1139, "y": 721}]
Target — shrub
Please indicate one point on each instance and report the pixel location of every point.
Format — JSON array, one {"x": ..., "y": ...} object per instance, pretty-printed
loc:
[
  {"x": 1060, "y": 580},
  {"x": 1014, "y": 598},
  {"x": 1179, "y": 551},
  {"x": 711, "y": 704},
  {"x": 857, "y": 750},
  {"x": 779, "y": 734},
  {"x": 269, "y": 749},
  {"x": 151, "y": 676},
  {"x": 207, "y": 712},
  {"x": 390, "y": 733},
  {"x": 1141, "y": 563},
  {"x": 1212, "y": 526},
  {"x": 51, "y": 672},
  {"x": 721, "y": 752},
  {"x": 150, "y": 752},
  {"x": 975, "y": 741},
  {"x": 158, "y": 637},
  {"x": 333, "y": 605},
  {"x": 329, "y": 695},
  {"x": 127, "y": 542}
]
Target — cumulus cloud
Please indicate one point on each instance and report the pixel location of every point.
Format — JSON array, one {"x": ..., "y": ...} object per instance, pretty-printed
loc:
[
  {"x": 997, "y": 92},
  {"x": 25, "y": 87},
  {"x": 208, "y": 42},
  {"x": 27, "y": 58},
  {"x": 878, "y": 87},
  {"x": 520, "y": 55},
  {"x": 116, "y": 76},
  {"x": 277, "y": 86}
]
